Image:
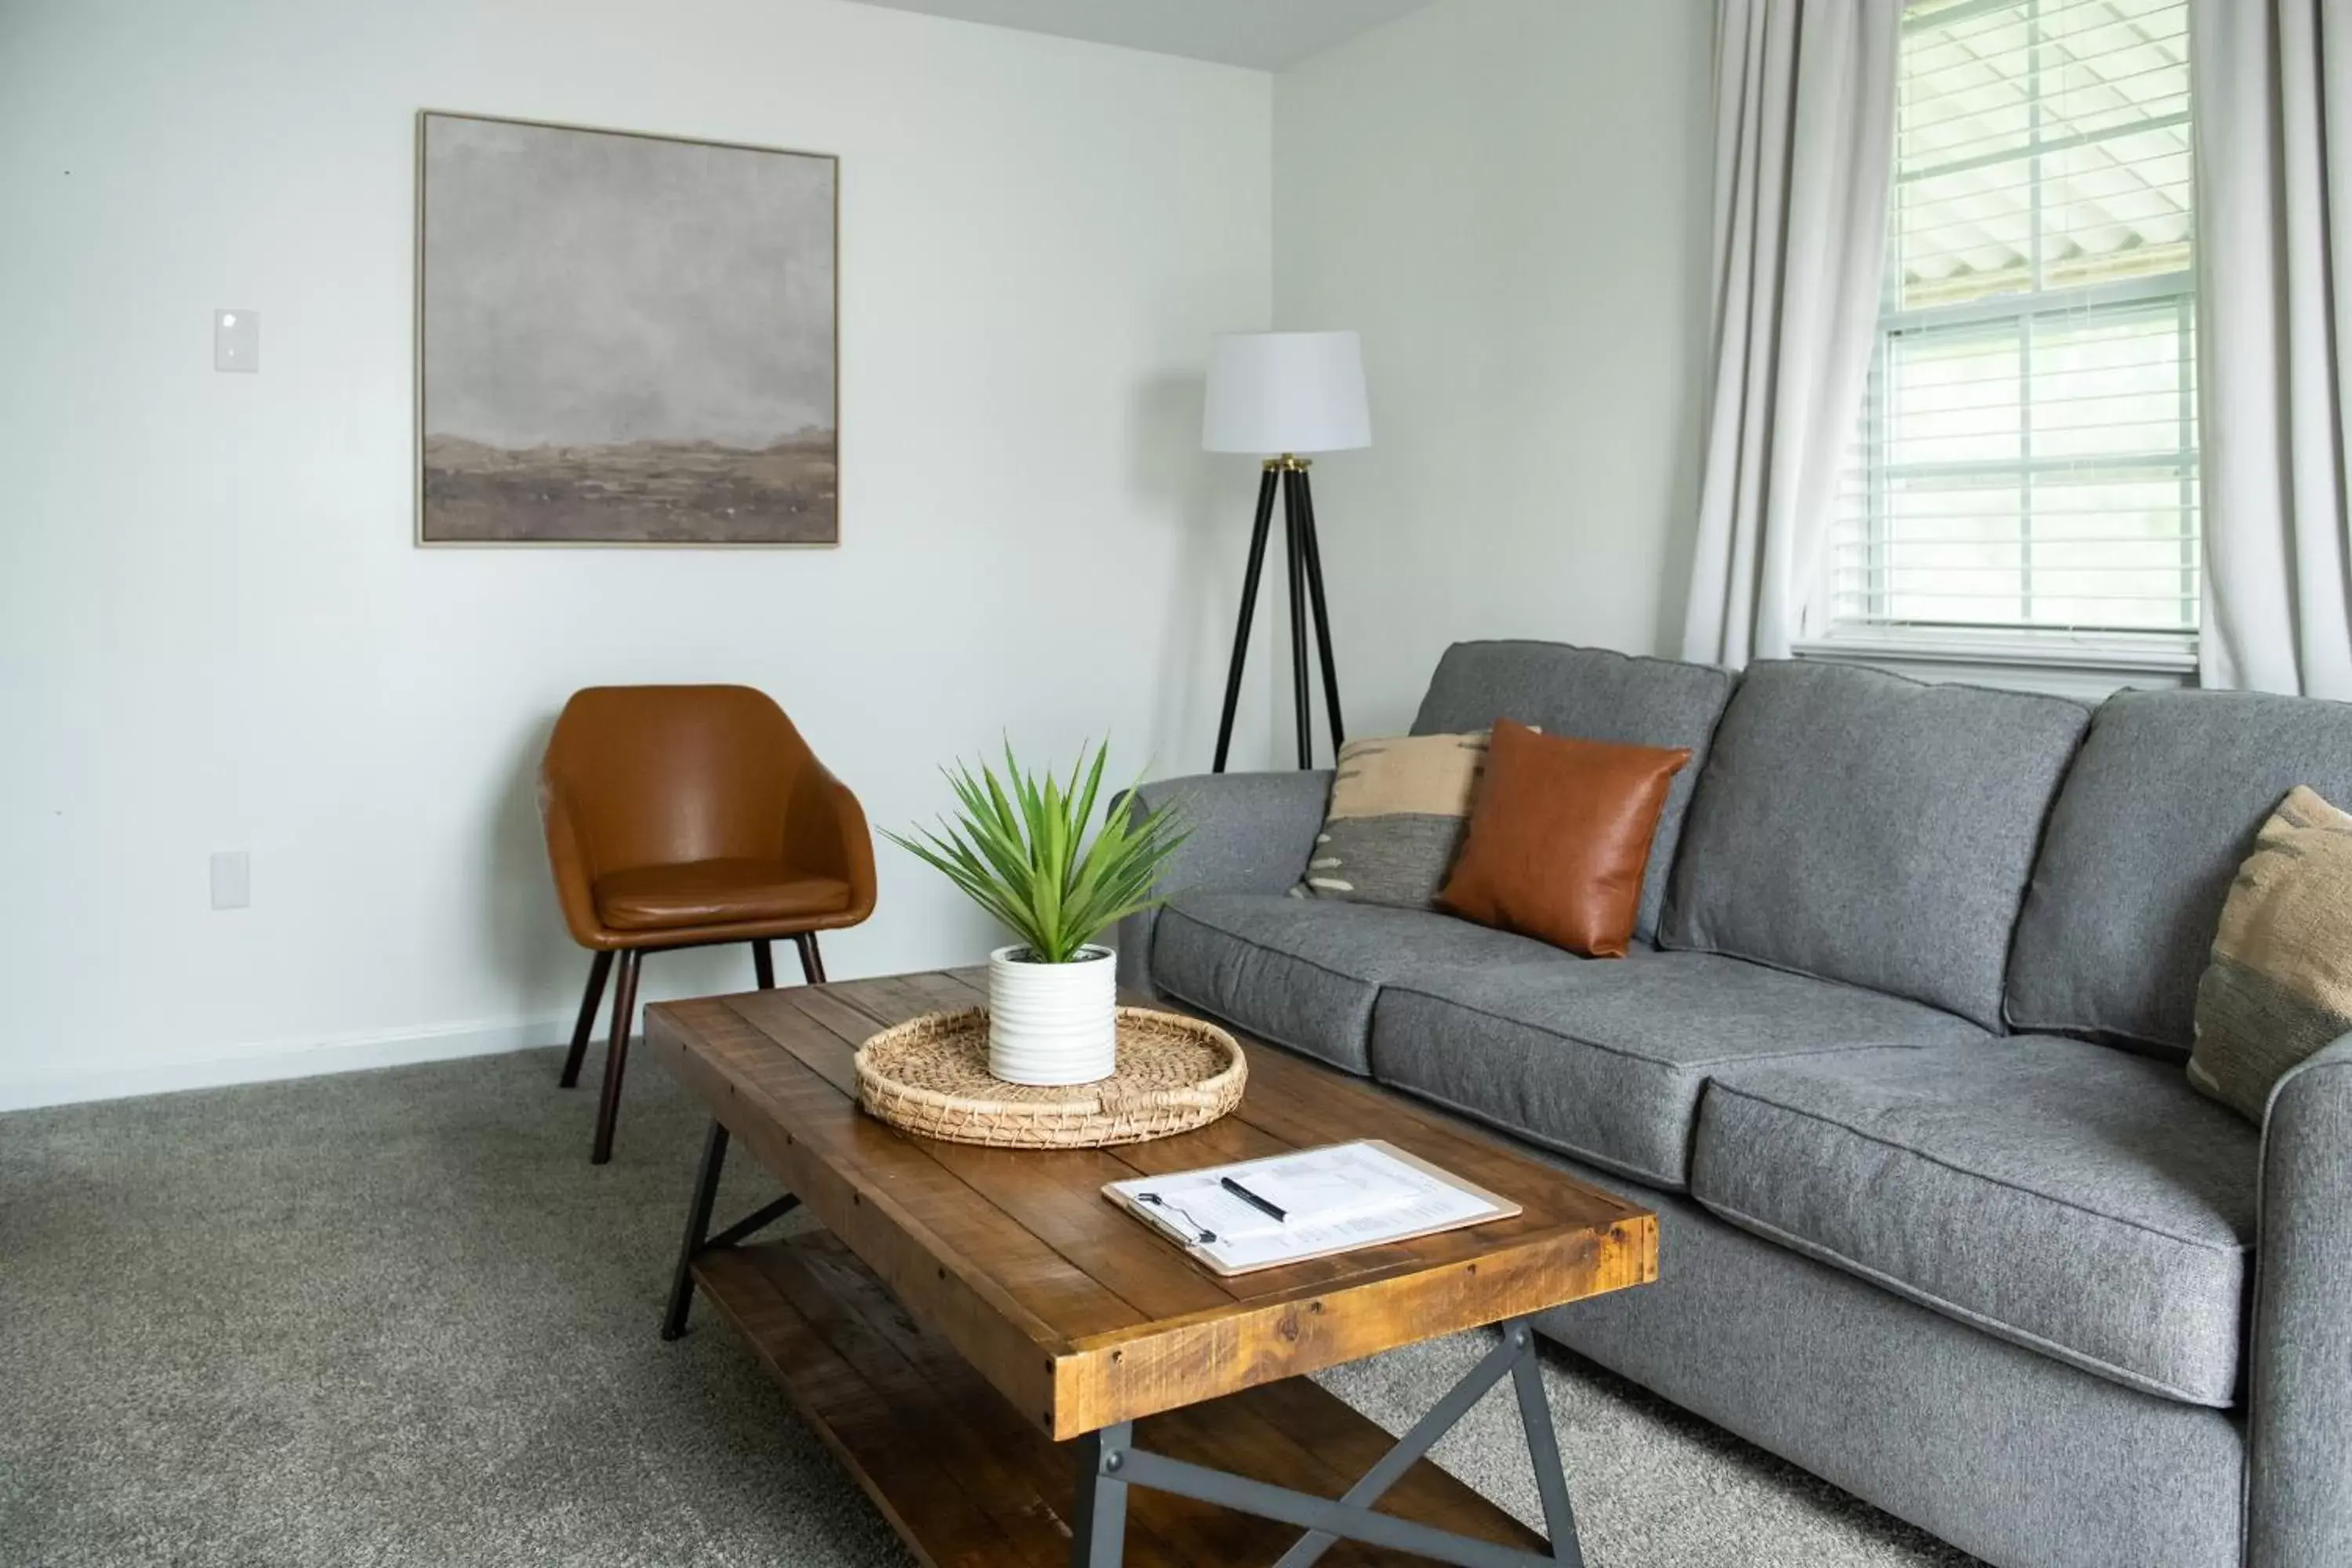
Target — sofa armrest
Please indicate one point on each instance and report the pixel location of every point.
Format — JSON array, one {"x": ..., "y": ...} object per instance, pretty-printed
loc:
[
  {"x": 1246, "y": 833},
  {"x": 2299, "y": 1421}
]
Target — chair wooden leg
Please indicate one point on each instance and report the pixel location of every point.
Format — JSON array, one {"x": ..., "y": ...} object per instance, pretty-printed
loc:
[
  {"x": 764, "y": 963},
  {"x": 598, "y": 968},
  {"x": 812, "y": 960},
  {"x": 616, "y": 1057}
]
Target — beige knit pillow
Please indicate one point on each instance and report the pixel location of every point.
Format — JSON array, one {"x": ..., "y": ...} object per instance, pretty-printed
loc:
[
  {"x": 2279, "y": 986},
  {"x": 1399, "y": 807}
]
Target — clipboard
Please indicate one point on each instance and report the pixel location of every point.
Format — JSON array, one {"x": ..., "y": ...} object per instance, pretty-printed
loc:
[{"x": 1470, "y": 1204}]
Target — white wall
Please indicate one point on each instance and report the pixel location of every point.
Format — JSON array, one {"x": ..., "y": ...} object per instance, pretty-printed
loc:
[
  {"x": 215, "y": 633},
  {"x": 1509, "y": 198}
]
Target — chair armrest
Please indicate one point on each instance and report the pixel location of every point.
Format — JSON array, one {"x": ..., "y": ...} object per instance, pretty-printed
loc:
[
  {"x": 826, "y": 831},
  {"x": 2299, "y": 1421},
  {"x": 1246, "y": 833},
  {"x": 857, "y": 847},
  {"x": 567, "y": 857}
]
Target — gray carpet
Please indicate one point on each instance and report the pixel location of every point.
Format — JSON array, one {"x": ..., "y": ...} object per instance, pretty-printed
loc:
[{"x": 395, "y": 1318}]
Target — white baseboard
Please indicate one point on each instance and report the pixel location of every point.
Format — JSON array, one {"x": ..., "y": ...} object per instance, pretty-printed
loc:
[{"x": 262, "y": 1064}]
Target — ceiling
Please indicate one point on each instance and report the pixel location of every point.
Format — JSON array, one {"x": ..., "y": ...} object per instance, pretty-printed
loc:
[{"x": 1263, "y": 34}]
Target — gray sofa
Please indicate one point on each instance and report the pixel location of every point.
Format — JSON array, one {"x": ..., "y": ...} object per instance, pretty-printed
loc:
[{"x": 1897, "y": 1059}]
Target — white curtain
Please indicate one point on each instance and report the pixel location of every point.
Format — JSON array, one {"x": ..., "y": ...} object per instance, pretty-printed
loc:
[
  {"x": 1804, "y": 139},
  {"x": 2273, "y": 96}
]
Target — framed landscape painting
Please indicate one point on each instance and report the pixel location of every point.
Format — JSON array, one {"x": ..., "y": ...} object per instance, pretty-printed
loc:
[{"x": 623, "y": 339}]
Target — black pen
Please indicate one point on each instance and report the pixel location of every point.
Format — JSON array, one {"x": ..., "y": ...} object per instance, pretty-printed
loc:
[{"x": 1251, "y": 1199}]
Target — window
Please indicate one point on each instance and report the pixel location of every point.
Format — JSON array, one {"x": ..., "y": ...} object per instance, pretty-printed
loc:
[{"x": 2028, "y": 453}]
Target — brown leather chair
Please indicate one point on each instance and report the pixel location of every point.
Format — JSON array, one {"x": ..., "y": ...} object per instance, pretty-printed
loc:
[{"x": 684, "y": 816}]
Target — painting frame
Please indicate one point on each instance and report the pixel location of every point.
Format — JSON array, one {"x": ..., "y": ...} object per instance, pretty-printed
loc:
[{"x": 417, "y": 329}]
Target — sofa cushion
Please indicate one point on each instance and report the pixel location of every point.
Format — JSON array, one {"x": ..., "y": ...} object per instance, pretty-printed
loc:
[
  {"x": 1303, "y": 971},
  {"x": 2076, "y": 1200},
  {"x": 1860, "y": 827},
  {"x": 1605, "y": 1059},
  {"x": 2154, "y": 820},
  {"x": 1594, "y": 694}
]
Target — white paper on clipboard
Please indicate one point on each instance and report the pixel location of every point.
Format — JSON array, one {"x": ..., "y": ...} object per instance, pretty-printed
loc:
[{"x": 1194, "y": 1208}]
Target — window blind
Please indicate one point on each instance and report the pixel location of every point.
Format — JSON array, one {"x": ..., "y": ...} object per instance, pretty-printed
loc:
[{"x": 2027, "y": 457}]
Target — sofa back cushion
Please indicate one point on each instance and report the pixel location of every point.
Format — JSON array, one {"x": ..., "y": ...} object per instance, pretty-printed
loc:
[
  {"x": 2157, "y": 815},
  {"x": 1595, "y": 695},
  {"x": 1860, "y": 827}
]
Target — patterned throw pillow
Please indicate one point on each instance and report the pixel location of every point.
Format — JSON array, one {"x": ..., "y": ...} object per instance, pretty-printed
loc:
[
  {"x": 2279, "y": 986},
  {"x": 1399, "y": 809}
]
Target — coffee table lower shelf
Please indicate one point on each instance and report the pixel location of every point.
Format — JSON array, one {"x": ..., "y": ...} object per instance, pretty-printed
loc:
[{"x": 967, "y": 1483}]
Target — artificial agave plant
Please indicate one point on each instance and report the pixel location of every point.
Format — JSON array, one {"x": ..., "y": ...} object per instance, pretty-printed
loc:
[{"x": 1019, "y": 850}]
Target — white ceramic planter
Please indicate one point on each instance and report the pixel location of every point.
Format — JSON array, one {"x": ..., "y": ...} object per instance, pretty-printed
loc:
[{"x": 1053, "y": 1022}]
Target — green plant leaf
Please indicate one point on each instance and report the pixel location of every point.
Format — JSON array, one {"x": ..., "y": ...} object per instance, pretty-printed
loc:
[{"x": 1018, "y": 848}]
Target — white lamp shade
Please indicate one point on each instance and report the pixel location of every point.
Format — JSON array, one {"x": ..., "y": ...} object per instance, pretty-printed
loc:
[{"x": 1271, "y": 393}]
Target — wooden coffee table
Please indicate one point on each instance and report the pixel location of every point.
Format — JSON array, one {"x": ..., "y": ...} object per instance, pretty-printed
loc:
[{"x": 1018, "y": 1373}]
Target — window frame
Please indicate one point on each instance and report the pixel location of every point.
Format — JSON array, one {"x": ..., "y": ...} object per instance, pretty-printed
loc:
[{"x": 1875, "y": 636}]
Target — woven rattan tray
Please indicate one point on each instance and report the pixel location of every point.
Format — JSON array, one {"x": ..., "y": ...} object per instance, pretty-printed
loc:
[{"x": 929, "y": 1075}]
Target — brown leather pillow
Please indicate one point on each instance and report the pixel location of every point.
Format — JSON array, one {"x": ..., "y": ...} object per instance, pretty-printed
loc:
[{"x": 1560, "y": 838}]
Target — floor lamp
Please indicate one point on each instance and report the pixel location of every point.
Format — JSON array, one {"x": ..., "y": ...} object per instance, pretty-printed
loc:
[{"x": 1286, "y": 394}]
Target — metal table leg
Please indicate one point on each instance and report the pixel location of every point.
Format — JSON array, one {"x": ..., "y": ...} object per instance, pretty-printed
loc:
[
  {"x": 1109, "y": 1463},
  {"x": 1543, "y": 1449},
  {"x": 1099, "y": 1532},
  {"x": 699, "y": 1238}
]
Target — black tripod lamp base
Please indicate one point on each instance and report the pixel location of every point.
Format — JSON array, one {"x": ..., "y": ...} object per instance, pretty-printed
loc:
[{"x": 1305, "y": 585}]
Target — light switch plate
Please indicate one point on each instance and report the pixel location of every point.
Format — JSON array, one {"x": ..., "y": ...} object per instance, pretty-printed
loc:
[
  {"x": 236, "y": 339},
  {"x": 232, "y": 879}
]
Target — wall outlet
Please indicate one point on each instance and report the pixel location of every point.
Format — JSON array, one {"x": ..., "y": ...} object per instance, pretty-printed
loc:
[
  {"x": 232, "y": 879},
  {"x": 236, "y": 339}
]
